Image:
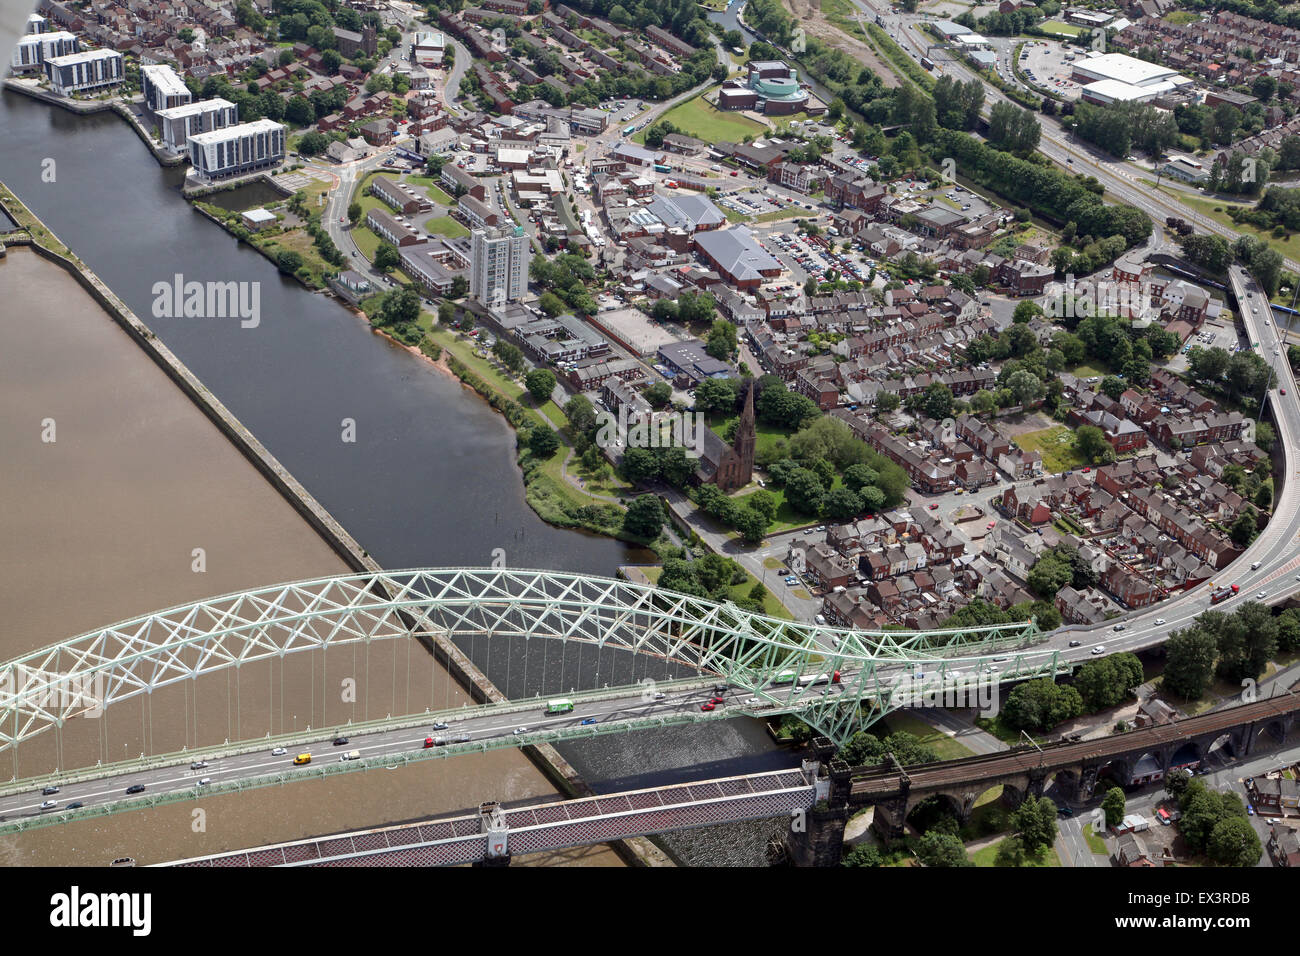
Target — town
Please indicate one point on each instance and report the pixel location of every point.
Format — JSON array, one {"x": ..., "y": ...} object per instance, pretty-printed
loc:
[{"x": 924, "y": 342}]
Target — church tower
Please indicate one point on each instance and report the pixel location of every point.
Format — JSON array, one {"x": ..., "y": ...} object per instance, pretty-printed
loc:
[{"x": 737, "y": 468}]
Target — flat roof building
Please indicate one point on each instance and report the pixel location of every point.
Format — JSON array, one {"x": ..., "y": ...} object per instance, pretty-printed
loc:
[
  {"x": 498, "y": 270},
  {"x": 162, "y": 88},
  {"x": 32, "y": 51},
  {"x": 83, "y": 72},
  {"x": 178, "y": 124},
  {"x": 237, "y": 150}
]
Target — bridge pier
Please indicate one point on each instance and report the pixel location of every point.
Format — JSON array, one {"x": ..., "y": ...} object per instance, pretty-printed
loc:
[{"x": 817, "y": 837}]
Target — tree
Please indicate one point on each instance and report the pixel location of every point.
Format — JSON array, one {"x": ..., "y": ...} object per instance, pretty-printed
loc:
[
  {"x": 1011, "y": 852},
  {"x": 644, "y": 518},
  {"x": 354, "y": 213},
  {"x": 804, "y": 491},
  {"x": 1035, "y": 821},
  {"x": 1025, "y": 311},
  {"x": 716, "y": 396},
  {"x": 288, "y": 261},
  {"x": 400, "y": 307},
  {"x": 1113, "y": 806},
  {"x": 864, "y": 854},
  {"x": 1245, "y": 528},
  {"x": 543, "y": 442},
  {"x": 1189, "y": 662},
  {"x": 1176, "y": 782},
  {"x": 841, "y": 504},
  {"x": 722, "y": 339},
  {"x": 1108, "y": 681},
  {"x": 941, "y": 849},
  {"x": 937, "y": 401},
  {"x": 386, "y": 258},
  {"x": 658, "y": 394},
  {"x": 551, "y": 304},
  {"x": 752, "y": 524},
  {"x": 1234, "y": 842},
  {"x": 1265, "y": 435},
  {"x": 1040, "y": 704},
  {"x": 510, "y": 355},
  {"x": 540, "y": 382},
  {"x": 1090, "y": 442}
]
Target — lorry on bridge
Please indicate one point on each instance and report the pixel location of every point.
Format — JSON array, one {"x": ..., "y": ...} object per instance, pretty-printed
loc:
[{"x": 1223, "y": 593}]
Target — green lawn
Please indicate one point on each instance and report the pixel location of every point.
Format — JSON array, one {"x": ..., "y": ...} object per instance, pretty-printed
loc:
[
  {"x": 1088, "y": 371},
  {"x": 945, "y": 747},
  {"x": 1058, "y": 26},
  {"x": 771, "y": 606},
  {"x": 697, "y": 118},
  {"x": 734, "y": 216},
  {"x": 1056, "y": 444},
  {"x": 446, "y": 226},
  {"x": 1095, "y": 843},
  {"x": 1207, "y": 206},
  {"x": 986, "y": 856},
  {"x": 436, "y": 194}
]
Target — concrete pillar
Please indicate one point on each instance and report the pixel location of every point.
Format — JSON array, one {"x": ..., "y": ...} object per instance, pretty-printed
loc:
[{"x": 1037, "y": 781}]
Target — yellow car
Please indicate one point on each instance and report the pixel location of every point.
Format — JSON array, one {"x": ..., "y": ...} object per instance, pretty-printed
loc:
[{"x": 302, "y": 759}]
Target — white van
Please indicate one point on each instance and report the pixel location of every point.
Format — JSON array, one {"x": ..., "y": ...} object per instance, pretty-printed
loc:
[{"x": 351, "y": 755}]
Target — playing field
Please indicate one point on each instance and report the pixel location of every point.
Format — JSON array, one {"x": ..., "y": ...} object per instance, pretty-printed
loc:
[{"x": 697, "y": 118}]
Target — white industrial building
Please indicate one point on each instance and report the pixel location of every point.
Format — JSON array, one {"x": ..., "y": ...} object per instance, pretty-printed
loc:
[
  {"x": 236, "y": 150},
  {"x": 81, "y": 72},
  {"x": 498, "y": 265},
  {"x": 1114, "y": 77}
]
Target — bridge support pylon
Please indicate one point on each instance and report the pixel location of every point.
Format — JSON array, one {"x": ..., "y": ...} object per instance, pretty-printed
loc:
[
  {"x": 493, "y": 822},
  {"x": 816, "y": 836}
]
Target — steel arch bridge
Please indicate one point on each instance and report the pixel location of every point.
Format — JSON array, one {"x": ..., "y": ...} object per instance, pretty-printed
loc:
[{"x": 44, "y": 689}]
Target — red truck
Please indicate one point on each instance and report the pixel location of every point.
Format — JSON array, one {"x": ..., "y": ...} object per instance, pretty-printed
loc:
[{"x": 1222, "y": 594}]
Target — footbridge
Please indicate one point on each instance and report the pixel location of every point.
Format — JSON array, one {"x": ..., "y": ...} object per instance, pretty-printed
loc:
[
  {"x": 494, "y": 834},
  {"x": 649, "y": 658}
]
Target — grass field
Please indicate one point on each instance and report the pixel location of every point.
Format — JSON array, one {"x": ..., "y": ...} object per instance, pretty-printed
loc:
[
  {"x": 697, "y": 118},
  {"x": 771, "y": 606},
  {"x": 1056, "y": 444},
  {"x": 944, "y": 746},
  {"x": 1181, "y": 16},
  {"x": 1060, "y": 27},
  {"x": 986, "y": 856},
  {"x": 436, "y": 194},
  {"x": 446, "y": 226}
]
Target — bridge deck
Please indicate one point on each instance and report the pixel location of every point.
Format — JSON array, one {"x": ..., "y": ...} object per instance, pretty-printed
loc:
[
  {"x": 869, "y": 783},
  {"x": 538, "y": 827}
]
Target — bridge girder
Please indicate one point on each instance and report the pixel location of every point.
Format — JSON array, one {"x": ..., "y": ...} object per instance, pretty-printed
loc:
[{"x": 45, "y": 688}]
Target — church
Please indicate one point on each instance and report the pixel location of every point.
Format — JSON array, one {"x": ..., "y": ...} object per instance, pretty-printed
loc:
[{"x": 730, "y": 466}]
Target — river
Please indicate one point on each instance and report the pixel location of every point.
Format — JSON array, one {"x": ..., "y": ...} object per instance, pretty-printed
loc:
[{"x": 430, "y": 479}]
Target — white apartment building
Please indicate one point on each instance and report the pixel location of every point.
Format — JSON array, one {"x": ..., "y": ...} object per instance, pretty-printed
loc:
[
  {"x": 498, "y": 271},
  {"x": 237, "y": 150},
  {"x": 36, "y": 24},
  {"x": 82, "y": 72},
  {"x": 162, "y": 88},
  {"x": 34, "y": 49},
  {"x": 178, "y": 124}
]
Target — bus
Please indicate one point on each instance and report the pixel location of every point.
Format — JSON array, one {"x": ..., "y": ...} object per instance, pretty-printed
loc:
[
  {"x": 630, "y": 130},
  {"x": 927, "y": 63},
  {"x": 785, "y": 677},
  {"x": 561, "y": 706},
  {"x": 813, "y": 679},
  {"x": 663, "y": 168}
]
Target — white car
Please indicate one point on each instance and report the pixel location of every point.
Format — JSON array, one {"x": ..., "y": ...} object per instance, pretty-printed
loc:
[
  {"x": 1099, "y": 649},
  {"x": 1160, "y": 620},
  {"x": 521, "y": 730},
  {"x": 278, "y": 752},
  {"x": 1262, "y": 594}
]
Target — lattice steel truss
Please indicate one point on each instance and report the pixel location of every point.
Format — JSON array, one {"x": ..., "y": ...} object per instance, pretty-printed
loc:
[{"x": 43, "y": 689}]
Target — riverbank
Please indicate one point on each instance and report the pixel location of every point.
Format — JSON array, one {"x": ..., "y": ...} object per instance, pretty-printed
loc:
[
  {"x": 557, "y": 771},
  {"x": 88, "y": 107}
]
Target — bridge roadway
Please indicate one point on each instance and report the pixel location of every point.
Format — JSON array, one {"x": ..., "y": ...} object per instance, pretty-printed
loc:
[
  {"x": 544, "y": 826},
  {"x": 469, "y": 730}
]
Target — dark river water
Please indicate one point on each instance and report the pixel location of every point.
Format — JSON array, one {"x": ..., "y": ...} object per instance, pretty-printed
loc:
[{"x": 430, "y": 479}]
